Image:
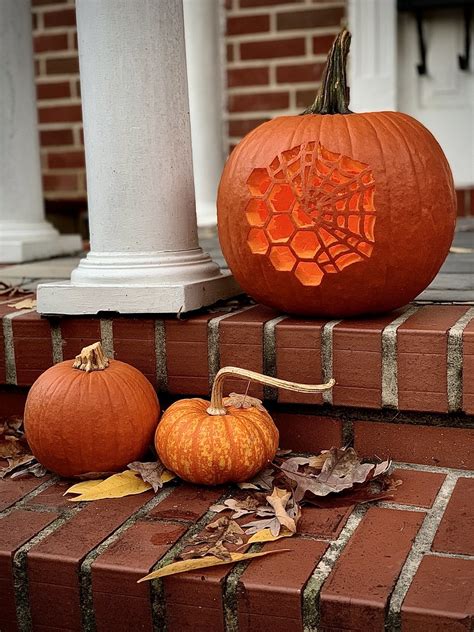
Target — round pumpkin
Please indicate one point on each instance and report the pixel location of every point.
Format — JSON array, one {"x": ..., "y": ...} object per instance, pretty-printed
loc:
[
  {"x": 226, "y": 441},
  {"x": 333, "y": 213},
  {"x": 90, "y": 415}
]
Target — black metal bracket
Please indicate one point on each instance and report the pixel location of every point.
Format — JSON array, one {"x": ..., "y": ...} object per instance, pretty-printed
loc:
[
  {"x": 466, "y": 58},
  {"x": 421, "y": 67}
]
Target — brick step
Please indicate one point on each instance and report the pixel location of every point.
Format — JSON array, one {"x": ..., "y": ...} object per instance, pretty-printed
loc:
[
  {"x": 405, "y": 564},
  {"x": 419, "y": 358}
]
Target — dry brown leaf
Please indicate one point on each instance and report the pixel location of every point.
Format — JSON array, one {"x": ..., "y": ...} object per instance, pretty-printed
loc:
[
  {"x": 238, "y": 507},
  {"x": 263, "y": 480},
  {"x": 15, "y": 463},
  {"x": 117, "y": 486},
  {"x": 278, "y": 513},
  {"x": 205, "y": 562},
  {"x": 213, "y": 540},
  {"x": 12, "y": 447},
  {"x": 279, "y": 500},
  {"x": 11, "y": 426},
  {"x": 35, "y": 469},
  {"x": 154, "y": 473},
  {"x": 238, "y": 400}
]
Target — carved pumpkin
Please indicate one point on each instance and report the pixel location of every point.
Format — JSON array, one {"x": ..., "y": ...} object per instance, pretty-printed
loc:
[
  {"x": 333, "y": 213},
  {"x": 229, "y": 440},
  {"x": 90, "y": 415}
]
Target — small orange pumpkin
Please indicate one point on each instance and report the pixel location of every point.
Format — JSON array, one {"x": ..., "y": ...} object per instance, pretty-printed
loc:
[
  {"x": 90, "y": 415},
  {"x": 335, "y": 213},
  {"x": 228, "y": 441}
]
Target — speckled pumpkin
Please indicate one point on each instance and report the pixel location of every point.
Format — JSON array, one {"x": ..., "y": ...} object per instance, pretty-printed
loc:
[
  {"x": 229, "y": 440},
  {"x": 90, "y": 415}
]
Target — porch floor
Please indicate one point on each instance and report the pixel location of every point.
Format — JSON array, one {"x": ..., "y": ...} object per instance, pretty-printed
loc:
[{"x": 453, "y": 284}]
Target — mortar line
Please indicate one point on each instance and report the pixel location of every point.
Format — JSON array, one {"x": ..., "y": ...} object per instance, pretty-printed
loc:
[
  {"x": 156, "y": 589},
  {"x": 9, "y": 345},
  {"x": 390, "y": 360},
  {"x": 20, "y": 570},
  {"x": 161, "y": 369},
  {"x": 230, "y": 592},
  {"x": 56, "y": 340},
  {"x": 85, "y": 572},
  {"x": 434, "y": 468},
  {"x": 454, "y": 358},
  {"x": 327, "y": 356},
  {"x": 107, "y": 336},
  {"x": 19, "y": 504},
  {"x": 312, "y": 590},
  {"x": 269, "y": 355},
  {"x": 452, "y": 556},
  {"x": 213, "y": 340},
  {"x": 421, "y": 545}
]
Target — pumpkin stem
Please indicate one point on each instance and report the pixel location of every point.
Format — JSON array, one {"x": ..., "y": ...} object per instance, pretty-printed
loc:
[
  {"x": 91, "y": 358},
  {"x": 333, "y": 96},
  {"x": 217, "y": 406}
]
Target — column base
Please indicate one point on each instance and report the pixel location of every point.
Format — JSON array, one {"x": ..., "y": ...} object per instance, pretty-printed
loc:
[
  {"x": 19, "y": 250},
  {"x": 69, "y": 299}
]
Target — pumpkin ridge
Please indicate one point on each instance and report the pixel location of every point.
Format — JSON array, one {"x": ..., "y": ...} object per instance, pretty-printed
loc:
[{"x": 252, "y": 425}]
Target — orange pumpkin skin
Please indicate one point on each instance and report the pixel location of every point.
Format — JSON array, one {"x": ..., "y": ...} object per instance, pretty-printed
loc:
[
  {"x": 77, "y": 422},
  {"x": 336, "y": 214},
  {"x": 215, "y": 449}
]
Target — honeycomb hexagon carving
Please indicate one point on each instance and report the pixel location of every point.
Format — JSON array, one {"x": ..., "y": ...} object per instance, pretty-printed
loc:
[{"x": 311, "y": 212}]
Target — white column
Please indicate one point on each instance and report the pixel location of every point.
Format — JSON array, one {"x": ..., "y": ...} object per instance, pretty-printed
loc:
[
  {"x": 144, "y": 255},
  {"x": 24, "y": 232},
  {"x": 202, "y": 28},
  {"x": 373, "y": 56}
]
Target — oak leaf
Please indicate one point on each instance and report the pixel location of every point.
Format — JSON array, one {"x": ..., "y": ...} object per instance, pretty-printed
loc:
[
  {"x": 154, "y": 473},
  {"x": 263, "y": 480},
  {"x": 238, "y": 400},
  {"x": 238, "y": 507}
]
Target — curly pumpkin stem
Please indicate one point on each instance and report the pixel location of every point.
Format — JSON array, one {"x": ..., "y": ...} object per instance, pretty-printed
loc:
[
  {"x": 217, "y": 407},
  {"x": 91, "y": 358},
  {"x": 333, "y": 96}
]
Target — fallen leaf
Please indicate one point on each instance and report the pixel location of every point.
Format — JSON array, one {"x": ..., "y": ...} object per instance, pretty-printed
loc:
[
  {"x": 83, "y": 488},
  {"x": 277, "y": 514},
  {"x": 215, "y": 539},
  {"x": 239, "y": 507},
  {"x": 26, "y": 303},
  {"x": 265, "y": 535},
  {"x": 154, "y": 473},
  {"x": 263, "y": 480},
  {"x": 126, "y": 483},
  {"x": 205, "y": 562},
  {"x": 11, "y": 426},
  {"x": 36, "y": 469},
  {"x": 16, "y": 463},
  {"x": 237, "y": 400},
  {"x": 11, "y": 446}
]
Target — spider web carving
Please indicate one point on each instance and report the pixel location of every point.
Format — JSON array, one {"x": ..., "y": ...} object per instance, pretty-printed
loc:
[{"x": 312, "y": 212}]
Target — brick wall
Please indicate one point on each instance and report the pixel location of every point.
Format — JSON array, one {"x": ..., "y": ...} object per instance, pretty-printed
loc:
[
  {"x": 59, "y": 102},
  {"x": 276, "y": 51}
]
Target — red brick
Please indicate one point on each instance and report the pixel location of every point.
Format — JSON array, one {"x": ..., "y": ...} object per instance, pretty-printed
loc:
[
  {"x": 422, "y": 378},
  {"x": 134, "y": 343},
  {"x": 241, "y": 344},
  {"x": 78, "y": 333},
  {"x": 356, "y": 593},
  {"x": 187, "y": 355},
  {"x": 62, "y": 182},
  {"x": 418, "y": 488},
  {"x": 50, "y": 42},
  {"x": 193, "y": 618},
  {"x": 456, "y": 531},
  {"x": 322, "y": 44},
  {"x": 186, "y": 502},
  {"x": 258, "y": 101},
  {"x": 13, "y": 400},
  {"x": 461, "y": 202},
  {"x": 240, "y": 127},
  {"x": 298, "y": 357},
  {"x": 323, "y": 522},
  {"x": 66, "y": 160},
  {"x": 310, "y": 18},
  {"x": 53, "y": 565},
  {"x": 299, "y": 72},
  {"x": 274, "y": 585},
  {"x": 308, "y": 433},
  {"x": 230, "y": 52},
  {"x": 53, "y": 496},
  {"x": 62, "y": 65},
  {"x": 63, "y": 17},
  {"x": 357, "y": 362},
  {"x": 247, "y": 77},
  {"x": 410, "y": 443},
  {"x": 440, "y": 598},
  {"x": 119, "y": 602},
  {"x": 56, "y": 137},
  {"x": 15, "y": 530},
  {"x": 271, "y": 49},
  {"x": 60, "y": 114},
  {"x": 468, "y": 368},
  {"x": 33, "y": 347},
  {"x": 245, "y": 24},
  {"x": 13, "y": 491}
]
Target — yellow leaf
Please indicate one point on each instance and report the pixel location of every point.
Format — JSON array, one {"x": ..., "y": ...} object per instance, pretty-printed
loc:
[
  {"x": 26, "y": 303},
  {"x": 265, "y": 535},
  {"x": 203, "y": 562},
  {"x": 124, "y": 484},
  {"x": 167, "y": 476},
  {"x": 82, "y": 488}
]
